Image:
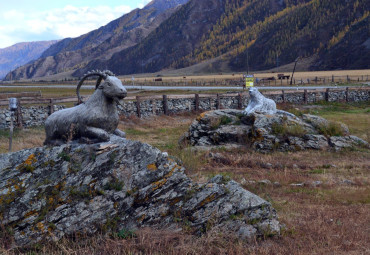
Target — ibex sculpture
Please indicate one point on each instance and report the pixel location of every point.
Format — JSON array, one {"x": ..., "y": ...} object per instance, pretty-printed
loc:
[{"x": 90, "y": 121}]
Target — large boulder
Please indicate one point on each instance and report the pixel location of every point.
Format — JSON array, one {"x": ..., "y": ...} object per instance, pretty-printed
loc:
[
  {"x": 281, "y": 131},
  {"x": 51, "y": 192}
]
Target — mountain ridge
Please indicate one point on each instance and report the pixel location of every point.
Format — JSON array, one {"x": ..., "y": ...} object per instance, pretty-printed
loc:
[
  {"x": 74, "y": 53},
  {"x": 21, "y": 53},
  {"x": 240, "y": 33}
]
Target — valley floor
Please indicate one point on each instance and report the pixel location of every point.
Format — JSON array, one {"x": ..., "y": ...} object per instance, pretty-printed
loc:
[{"x": 322, "y": 198}]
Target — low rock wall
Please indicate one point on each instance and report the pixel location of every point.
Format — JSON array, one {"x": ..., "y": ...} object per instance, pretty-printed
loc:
[{"x": 35, "y": 116}]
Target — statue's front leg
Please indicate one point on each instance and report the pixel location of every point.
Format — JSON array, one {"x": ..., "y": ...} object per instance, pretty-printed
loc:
[
  {"x": 96, "y": 133},
  {"x": 119, "y": 133}
]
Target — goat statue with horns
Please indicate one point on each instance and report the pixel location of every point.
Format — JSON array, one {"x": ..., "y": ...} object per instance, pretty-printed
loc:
[{"x": 91, "y": 121}]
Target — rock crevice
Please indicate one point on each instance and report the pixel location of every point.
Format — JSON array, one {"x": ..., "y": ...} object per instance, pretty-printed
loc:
[
  {"x": 51, "y": 192},
  {"x": 281, "y": 131}
]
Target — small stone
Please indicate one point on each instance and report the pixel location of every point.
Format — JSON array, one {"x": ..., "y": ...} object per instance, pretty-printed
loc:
[
  {"x": 266, "y": 165},
  {"x": 295, "y": 166},
  {"x": 267, "y": 182},
  {"x": 316, "y": 183},
  {"x": 348, "y": 182},
  {"x": 297, "y": 184},
  {"x": 277, "y": 184}
]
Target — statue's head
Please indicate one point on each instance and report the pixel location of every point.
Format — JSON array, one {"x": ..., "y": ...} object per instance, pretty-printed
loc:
[
  {"x": 111, "y": 86},
  {"x": 253, "y": 91}
]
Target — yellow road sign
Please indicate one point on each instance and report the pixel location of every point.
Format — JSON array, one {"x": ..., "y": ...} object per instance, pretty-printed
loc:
[{"x": 249, "y": 81}]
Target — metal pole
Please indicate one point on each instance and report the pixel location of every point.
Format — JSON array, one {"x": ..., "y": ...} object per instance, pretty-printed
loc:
[{"x": 11, "y": 132}]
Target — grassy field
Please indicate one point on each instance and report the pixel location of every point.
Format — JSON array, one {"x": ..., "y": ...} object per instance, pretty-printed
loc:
[
  {"x": 327, "y": 213},
  {"x": 223, "y": 76},
  {"x": 49, "y": 92}
]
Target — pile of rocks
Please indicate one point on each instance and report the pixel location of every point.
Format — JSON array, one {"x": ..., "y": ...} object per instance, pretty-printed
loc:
[
  {"x": 281, "y": 131},
  {"x": 51, "y": 192}
]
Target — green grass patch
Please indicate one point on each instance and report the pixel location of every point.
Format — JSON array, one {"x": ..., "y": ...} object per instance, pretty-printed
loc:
[
  {"x": 332, "y": 129},
  {"x": 285, "y": 130}
]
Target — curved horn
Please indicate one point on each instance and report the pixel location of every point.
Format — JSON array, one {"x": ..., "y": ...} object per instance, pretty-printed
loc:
[
  {"x": 106, "y": 73},
  {"x": 101, "y": 75}
]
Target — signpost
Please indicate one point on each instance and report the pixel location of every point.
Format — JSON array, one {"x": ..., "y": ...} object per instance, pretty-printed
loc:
[
  {"x": 12, "y": 107},
  {"x": 249, "y": 81}
]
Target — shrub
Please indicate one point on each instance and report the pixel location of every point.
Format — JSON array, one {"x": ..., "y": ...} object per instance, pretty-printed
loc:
[
  {"x": 331, "y": 129},
  {"x": 285, "y": 130}
]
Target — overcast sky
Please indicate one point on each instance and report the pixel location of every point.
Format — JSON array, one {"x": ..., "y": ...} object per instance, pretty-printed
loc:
[{"x": 39, "y": 20}]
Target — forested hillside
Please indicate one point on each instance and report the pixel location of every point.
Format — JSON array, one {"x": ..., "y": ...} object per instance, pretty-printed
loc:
[
  {"x": 285, "y": 30},
  {"x": 233, "y": 34},
  {"x": 334, "y": 31}
]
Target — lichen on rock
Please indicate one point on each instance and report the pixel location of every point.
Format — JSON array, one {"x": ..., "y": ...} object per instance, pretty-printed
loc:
[
  {"x": 281, "y": 131},
  {"x": 120, "y": 184}
]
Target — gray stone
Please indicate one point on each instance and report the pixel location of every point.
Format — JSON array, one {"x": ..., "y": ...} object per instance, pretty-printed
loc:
[
  {"x": 266, "y": 182},
  {"x": 263, "y": 132},
  {"x": 340, "y": 142},
  {"x": 51, "y": 192},
  {"x": 297, "y": 184},
  {"x": 319, "y": 122},
  {"x": 266, "y": 165},
  {"x": 316, "y": 183},
  {"x": 348, "y": 182}
]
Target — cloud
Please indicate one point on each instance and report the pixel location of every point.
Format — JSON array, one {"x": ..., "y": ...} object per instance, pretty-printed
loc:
[
  {"x": 143, "y": 3},
  {"x": 69, "y": 21}
]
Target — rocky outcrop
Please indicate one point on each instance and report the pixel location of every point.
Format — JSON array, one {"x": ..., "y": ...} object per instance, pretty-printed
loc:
[
  {"x": 282, "y": 131},
  {"x": 52, "y": 192}
]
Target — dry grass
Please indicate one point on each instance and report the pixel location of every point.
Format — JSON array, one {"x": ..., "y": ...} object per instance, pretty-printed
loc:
[
  {"x": 22, "y": 139},
  {"x": 210, "y": 77},
  {"x": 49, "y": 92},
  {"x": 330, "y": 218}
]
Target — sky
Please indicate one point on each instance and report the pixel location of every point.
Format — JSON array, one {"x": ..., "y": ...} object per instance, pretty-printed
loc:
[{"x": 42, "y": 20}]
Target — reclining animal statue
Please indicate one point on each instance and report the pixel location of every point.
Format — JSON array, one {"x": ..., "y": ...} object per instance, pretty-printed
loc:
[
  {"x": 259, "y": 103},
  {"x": 91, "y": 121}
]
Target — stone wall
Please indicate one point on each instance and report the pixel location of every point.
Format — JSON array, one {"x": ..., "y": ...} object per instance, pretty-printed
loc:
[
  {"x": 35, "y": 116},
  {"x": 31, "y": 116}
]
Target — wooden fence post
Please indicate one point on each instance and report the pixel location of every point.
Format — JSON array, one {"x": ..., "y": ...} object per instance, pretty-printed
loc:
[
  {"x": 218, "y": 103},
  {"x": 19, "y": 115},
  {"x": 327, "y": 95},
  {"x": 165, "y": 105},
  {"x": 240, "y": 101},
  {"x": 51, "y": 107},
  {"x": 138, "y": 108},
  {"x": 196, "y": 102},
  {"x": 283, "y": 96},
  {"x": 305, "y": 96},
  {"x": 347, "y": 94},
  {"x": 332, "y": 78}
]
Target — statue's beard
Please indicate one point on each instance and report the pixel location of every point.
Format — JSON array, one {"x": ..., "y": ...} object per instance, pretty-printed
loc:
[{"x": 119, "y": 101}]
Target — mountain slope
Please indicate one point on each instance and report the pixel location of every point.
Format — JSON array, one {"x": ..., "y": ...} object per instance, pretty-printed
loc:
[
  {"x": 231, "y": 35},
  {"x": 173, "y": 39},
  {"x": 70, "y": 54},
  {"x": 272, "y": 29},
  {"x": 20, "y": 54}
]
